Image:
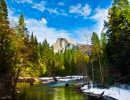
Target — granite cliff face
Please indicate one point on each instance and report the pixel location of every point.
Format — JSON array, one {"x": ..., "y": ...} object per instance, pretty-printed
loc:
[{"x": 63, "y": 44}]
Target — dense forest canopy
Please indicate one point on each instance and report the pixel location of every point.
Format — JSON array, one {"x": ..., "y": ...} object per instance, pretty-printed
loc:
[{"x": 107, "y": 63}]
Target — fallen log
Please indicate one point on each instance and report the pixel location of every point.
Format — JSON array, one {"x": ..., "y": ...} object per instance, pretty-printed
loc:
[{"x": 93, "y": 96}]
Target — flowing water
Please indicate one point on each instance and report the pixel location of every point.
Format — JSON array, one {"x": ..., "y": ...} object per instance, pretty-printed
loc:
[{"x": 50, "y": 91}]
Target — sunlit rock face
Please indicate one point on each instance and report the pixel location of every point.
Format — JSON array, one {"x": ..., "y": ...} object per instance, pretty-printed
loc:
[{"x": 63, "y": 44}]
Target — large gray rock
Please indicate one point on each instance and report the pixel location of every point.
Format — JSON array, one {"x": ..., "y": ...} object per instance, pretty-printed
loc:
[{"x": 64, "y": 43}]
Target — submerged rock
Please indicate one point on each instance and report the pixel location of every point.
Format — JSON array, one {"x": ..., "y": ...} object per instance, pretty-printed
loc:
[{"x": 66, "y": 84}]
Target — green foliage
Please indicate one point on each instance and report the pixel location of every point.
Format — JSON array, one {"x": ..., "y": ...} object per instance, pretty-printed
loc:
[
  {"x": 3, "y": 10},
  {"x": 7, "y": 51},
  {"x": 98, "y": 58},
  {"x": 21, "y": 28},
  {"x": 118, "y": 34},
  {"x": 103, "y": 41}
]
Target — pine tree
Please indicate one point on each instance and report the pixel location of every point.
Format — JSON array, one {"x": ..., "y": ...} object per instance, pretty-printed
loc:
[
  {"x": 3, "y": 10},
  {"x": 97, "y": 52},
  {"x": 7, "y": 52},
  {"x": 119, "y": 38},
  {"x": 82, "y": 62},
  {"x": 21, "y": 28},
  {"x": 22, "y": 51}
]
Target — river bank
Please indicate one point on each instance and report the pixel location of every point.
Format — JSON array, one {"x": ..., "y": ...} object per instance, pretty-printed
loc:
[
  {"x": 122, "y": 92},
  {"x": 115, "y": 93},
  {"x": 28, "y": 79},
  {"x": 49, "y": 79}
]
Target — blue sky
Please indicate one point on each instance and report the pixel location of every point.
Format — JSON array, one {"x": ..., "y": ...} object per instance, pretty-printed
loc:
[{"x": 52, "y": 19}]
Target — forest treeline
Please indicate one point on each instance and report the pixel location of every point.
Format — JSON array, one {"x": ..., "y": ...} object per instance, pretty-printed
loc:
[{"x": 22, "y": 55}]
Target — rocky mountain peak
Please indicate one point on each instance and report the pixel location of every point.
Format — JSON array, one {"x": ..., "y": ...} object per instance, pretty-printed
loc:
[{"x": 63, "y": 44}]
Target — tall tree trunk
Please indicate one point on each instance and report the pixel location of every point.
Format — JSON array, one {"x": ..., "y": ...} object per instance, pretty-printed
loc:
[
  {"x": 16, "y": 77},
  {"x": 87, "y": 78},
  {"x": 83, "y": 74},
  {"x": 92, "y": 71},
  {"x": 101, "y": 72},
  {"x": 127, "y": 64}
]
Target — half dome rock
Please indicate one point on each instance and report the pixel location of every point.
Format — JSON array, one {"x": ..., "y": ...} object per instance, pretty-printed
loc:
[{"x": 63, "y": 43}]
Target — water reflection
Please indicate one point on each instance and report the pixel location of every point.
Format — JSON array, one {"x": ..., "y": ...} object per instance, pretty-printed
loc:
[{"x": 48, "y": 92}]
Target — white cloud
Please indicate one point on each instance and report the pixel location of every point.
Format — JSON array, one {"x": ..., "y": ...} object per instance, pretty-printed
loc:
[
  {"x": 99, "y": 17},
  {"x": 83, "y": 11},
  {"x": 58, "y": 12},
  {"x": 40, "y": 6},
  {"x": 61, "y": 3},
  {"x": 23, "y": 1},
  {"x": 63, "y": 13},
  {"x": 13, "y": 19},
  {"x": 41, "y": 31},
  {"x": 75, "y": 9},
  {"x": 53, "y": 11},
  {"x": 43, "y": 21},
  {"x": 100, "y": 14},
  {"x": 82, "y": 36}
]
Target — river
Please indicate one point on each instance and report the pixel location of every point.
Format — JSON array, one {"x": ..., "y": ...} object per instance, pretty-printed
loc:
[{"x": 49, "y": 91}]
